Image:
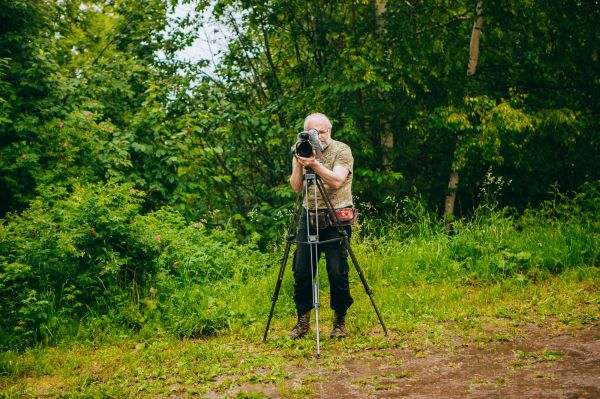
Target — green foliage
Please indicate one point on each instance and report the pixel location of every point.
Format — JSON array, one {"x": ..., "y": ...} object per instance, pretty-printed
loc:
[
  {"x": 90, "y": 250},
  {"x": 494, "y": 245},
  {"x": 98, "y": 93},
  {"x": 77, "y": 82},
  {"x": 66, "y": 252}
]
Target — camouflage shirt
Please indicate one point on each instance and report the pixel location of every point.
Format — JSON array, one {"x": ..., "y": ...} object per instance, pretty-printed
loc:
[{"x": 336, "y": 154}]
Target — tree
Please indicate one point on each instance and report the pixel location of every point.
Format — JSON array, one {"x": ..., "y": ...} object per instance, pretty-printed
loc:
[
  {"x": 472, "y": 67},
  {"x": 81, "y": 85}
]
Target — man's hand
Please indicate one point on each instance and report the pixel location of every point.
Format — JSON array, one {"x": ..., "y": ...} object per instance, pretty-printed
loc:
[{"x": 308, "y": 162}]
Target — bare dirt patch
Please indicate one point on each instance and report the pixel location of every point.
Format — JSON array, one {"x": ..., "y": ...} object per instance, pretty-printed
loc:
[{"x": 537, "y": 364}]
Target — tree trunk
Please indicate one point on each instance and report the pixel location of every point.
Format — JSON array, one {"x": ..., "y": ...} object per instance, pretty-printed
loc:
[
  {"x": 474, "y": 45},
  {"x": 387, "y": 144},
  {"x": 450, "y": 199},
  {"x": 386, "y": 135},
  {"x": 380, "y": 7},
  {"x": 471, "y": 69}
]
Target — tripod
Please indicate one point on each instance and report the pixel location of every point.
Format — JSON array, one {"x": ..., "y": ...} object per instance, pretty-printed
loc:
[{"x": 314, "y": 180}]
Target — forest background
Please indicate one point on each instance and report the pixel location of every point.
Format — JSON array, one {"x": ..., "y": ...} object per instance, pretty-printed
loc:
[{"x": 138, "y": 187}]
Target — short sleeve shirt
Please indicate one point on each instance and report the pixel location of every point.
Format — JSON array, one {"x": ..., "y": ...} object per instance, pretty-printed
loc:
[{"x": 336, "y": 154}]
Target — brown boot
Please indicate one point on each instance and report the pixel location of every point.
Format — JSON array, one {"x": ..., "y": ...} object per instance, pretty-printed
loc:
[
  {"x": 302, "y": 326},
  {"x": 339, "y": 326}
]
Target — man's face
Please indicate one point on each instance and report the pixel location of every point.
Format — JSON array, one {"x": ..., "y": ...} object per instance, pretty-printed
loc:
[{"x": 323, "y": 129}]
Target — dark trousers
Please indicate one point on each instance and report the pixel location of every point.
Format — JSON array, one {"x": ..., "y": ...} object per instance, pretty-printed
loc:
[{"x": 336, "y": 257}]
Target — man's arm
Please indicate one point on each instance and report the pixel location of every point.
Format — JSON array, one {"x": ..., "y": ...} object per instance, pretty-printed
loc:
[
  {"x": 296, "y": 177},
  {"x": 333, "y": 178}
]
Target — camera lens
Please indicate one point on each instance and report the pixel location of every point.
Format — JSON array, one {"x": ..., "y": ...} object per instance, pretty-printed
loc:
[{"x": 304, "y": 149}]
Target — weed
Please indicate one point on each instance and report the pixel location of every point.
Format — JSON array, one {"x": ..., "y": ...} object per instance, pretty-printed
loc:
[
  {"x": 527, "y": 359},
  {"x": 403, "y": 374},
  {"x": 250, "y": 395},
  {"x": 498, "y": 382}
]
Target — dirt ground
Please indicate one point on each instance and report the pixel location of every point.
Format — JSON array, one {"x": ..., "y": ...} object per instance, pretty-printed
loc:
[
  {"x": 538, "y": 364},
  {"x": 528, "y": 362},
  {"x": 535, "y": 366}
]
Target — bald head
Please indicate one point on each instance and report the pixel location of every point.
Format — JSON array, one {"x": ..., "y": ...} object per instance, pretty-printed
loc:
[
  {"x": 316, "y": 119},
  {"x": 322, "y": 124}
]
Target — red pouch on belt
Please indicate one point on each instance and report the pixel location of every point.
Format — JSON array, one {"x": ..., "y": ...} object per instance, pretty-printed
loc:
[{"x": 346, "y": 216}]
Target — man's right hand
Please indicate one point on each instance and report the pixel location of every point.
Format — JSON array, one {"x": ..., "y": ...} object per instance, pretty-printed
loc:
[{"x": 307, "y": 162}]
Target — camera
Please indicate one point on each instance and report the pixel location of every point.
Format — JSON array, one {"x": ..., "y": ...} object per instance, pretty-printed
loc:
[
  {"x": 308, "y": 142},
  {"x": 304, "y": 147}
]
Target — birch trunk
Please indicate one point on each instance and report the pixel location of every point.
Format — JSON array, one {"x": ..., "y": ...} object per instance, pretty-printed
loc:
[
  {"x": 386, "y": 136},
  {"x": 451, "y": 191},
  {"x": 380, "y": 7},
  {"x": 471, "y": 69},
  {"x": 474, "y": 45},
  {"x": 450, "y": 199}
]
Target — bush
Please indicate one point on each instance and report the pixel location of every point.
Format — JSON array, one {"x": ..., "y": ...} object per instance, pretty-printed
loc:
[
  {"x": 66, "y": 253},
  {"x": 91, "y": 251}
]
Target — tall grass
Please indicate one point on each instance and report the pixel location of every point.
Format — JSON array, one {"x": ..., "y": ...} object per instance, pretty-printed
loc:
[{"x": 414, "y": 255}]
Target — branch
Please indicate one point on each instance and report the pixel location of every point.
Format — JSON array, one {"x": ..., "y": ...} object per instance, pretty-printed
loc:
[
  {"x": 268, "y": 53},
  {"x": 460, "y": 17},
  {"x": 255, "y": 73},
  {"x": 235, "y": 179}
]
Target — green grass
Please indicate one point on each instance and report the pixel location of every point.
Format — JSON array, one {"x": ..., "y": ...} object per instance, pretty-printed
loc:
[{"x": 227, "y": 364}]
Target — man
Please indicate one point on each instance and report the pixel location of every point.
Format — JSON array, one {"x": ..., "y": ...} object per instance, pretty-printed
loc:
[{"x": 334, "y": 167}]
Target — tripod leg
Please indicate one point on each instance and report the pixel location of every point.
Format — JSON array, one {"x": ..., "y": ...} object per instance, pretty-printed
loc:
[
  {"x": 313, "y": 239},
  {"x": 289, "y": 240},
  {"x": 288, "y": 244},
  {"x": 364, "y": 282},
  {"x": 344, "y": 235},
  {"x": 316, "y": 300}
]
